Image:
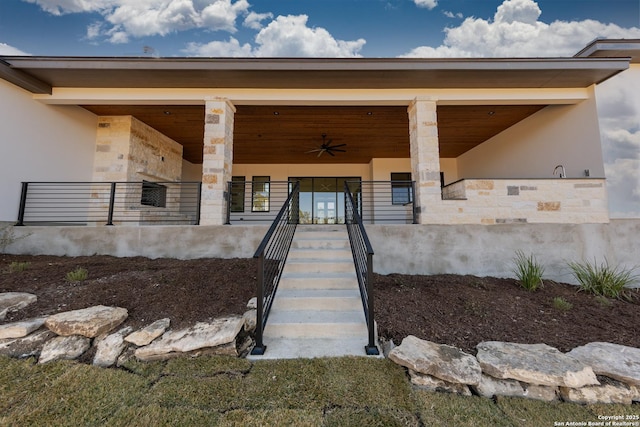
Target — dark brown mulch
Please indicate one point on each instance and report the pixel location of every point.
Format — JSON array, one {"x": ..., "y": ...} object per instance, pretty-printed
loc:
[
  {"x": 449, "y": 309},
  {"x": 465, "y": 310},
  {"x": 150, "y": 289}
]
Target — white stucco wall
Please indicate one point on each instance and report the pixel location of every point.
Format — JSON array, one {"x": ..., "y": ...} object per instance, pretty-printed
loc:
[
  {"x": 41, "y": 143},
  {"x": 558, "y": 134}
]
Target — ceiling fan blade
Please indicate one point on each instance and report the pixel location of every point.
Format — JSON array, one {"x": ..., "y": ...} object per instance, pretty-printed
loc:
[
  {"x": 314, "y": 150},
  {"x": 339, "y": 145},
  {"x": 330, "y": 153},
  {"x": 337, "y": 149},
  {"x": 320, "y": 153}
]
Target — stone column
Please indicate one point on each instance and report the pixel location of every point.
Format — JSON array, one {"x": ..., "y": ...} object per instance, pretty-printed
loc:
[
  {"x": 217, "y": 160},
  {"x": 425, "y": 156}
]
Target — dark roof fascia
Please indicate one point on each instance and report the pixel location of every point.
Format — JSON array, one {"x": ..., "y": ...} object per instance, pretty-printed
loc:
[
  {"x": 22, "y": 79},
  {"x": 312, "y": 64},
  {"x": 612, "y": 48},
  {"x": 23, "y": 65}
]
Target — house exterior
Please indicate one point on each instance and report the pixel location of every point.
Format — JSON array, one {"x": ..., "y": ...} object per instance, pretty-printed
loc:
[{"x": 442, "y": 142}]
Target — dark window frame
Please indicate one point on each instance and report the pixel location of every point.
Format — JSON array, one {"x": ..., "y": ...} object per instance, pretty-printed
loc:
[
  {"x": 265, "y": 181},
  {"x": 401, "y": 188},
  {"x": 237, "y": 193}
]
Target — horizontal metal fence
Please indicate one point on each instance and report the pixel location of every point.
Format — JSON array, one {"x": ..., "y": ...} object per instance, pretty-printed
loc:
[
  {"x": 384, "y": 202},
  {"x": 255, "y": 201},
  {"x": 110, "y": 203}
]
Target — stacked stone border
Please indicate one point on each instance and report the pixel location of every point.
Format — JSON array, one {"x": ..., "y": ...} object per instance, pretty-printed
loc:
[{"x": 593, "y": 373}]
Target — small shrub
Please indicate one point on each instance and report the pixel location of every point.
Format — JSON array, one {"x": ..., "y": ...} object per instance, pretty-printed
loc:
[
  {"x": 16, "y": 266},
  {"x": 562, "y": 304},
  {"x": 603, "y": 279},
  {"x": 528, "y": 271},
  {"x": 77, "y": 275},
  {"x": 603, "y": 301}
]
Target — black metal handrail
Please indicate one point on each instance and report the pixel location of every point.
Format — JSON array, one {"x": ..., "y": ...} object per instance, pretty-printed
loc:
[
  {"x": 384, "y": 202},
  {"x": 363, "y": 259},
  {"x": 109, "y": 203},
  {"x": 272, "y": 255}
]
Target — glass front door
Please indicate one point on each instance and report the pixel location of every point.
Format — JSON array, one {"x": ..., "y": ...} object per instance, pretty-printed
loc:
[{"x": 322, "y": 199}]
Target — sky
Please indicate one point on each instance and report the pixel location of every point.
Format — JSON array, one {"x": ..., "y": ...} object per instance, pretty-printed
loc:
[{"x": 350, "y": 28}]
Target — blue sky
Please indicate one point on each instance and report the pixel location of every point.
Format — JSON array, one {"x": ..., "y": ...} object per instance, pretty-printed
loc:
[
  {"x": 370, "y": 28},
  {"x": 352, "y": 28}
]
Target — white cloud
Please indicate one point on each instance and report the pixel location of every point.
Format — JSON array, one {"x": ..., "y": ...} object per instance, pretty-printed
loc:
[
  {"x": 619, "y": 113},
  {"x": 9, "y": 50},
  {"x": 290, "y": 36},
  {"x": 285, "y": 36},
  {"x": 61, "y": 7},
  {"x": 254, "y": 20},
  {"x": 231, "y": 48},
  {"x": 516, "y": 31},
  {"x": 429, "y": 4},
  {"x": 450, "y": 14},
  {"x": 140, "y": 18}
]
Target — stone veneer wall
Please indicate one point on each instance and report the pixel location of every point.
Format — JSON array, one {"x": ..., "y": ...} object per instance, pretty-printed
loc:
[
  {"x": 128, "y": 150},
  {"x": 501, "y": 201}
]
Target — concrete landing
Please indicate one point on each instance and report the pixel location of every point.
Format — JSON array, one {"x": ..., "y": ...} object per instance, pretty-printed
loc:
[{"x": 317, "y": 311}]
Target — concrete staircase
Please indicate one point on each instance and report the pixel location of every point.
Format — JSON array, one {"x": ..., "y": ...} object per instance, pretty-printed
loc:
[{"x": 317, "y": 311}]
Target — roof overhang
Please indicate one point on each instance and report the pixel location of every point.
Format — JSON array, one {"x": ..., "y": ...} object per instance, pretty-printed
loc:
[
  {"x": 42, "y": 74},
  {"x": 612, "y": 48}
]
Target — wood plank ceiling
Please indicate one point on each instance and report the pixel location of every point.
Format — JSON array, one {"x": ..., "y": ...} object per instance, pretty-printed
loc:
[{"x": 285, "y": 134}]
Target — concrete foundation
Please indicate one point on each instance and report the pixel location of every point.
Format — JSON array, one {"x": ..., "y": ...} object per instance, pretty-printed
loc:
[{"x": 410, "y": 249}]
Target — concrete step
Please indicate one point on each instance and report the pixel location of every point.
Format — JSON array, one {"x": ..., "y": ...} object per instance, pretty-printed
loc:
[
  {"x": 315, "y": 324},
  {"x": 318, "y": 299},
  {"x": 319, "y": 266},
  {"x": 320, "y": 281},
  {"x": 303, "y": 243},
  {"x": 320, "y": 253},
  {"x": 307, "y": 348}
]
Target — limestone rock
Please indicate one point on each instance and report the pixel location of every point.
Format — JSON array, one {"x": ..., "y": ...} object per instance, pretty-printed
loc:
[
  {"x": 610, "y": 391},
  {"x": 149, "y": 333},
  {"x": 14, "y": 301},
  {"x": 441, "y": 361},
  {"x": 229, "y": 349},
  {"x": 109, "y": 349},
  {"x": 89, "y": 322},
  {"x": 253, "y": 303},
  {"x": 20, "y": 329},
  {"x": 537, "y": 364},
  {"x": 64, "y": 348},
  {"x": 201, "y": 335},
  {"x": 611, "y": 360},
  {"x": 635, "y": 393},
  {"x": 31, "y": 345},
  {"x": 250, "y": 320},
  {"x": 490, "y": 387},
  {"x": 430, "y": 383}
]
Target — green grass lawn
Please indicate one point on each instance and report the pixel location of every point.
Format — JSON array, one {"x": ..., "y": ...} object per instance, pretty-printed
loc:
[{"x": 235, "y": 392}]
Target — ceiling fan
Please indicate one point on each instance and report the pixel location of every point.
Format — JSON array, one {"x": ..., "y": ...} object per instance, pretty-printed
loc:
[{"x": 326, "y": 147}]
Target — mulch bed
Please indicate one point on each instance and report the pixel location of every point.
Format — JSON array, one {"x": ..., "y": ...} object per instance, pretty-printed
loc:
[{"x": 450, "y": 309}]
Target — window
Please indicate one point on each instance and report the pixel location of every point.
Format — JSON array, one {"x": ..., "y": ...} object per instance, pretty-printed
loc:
[
  {"x": 260, "y": 194},
  {"x": 153, "y": 194},
  {"x": 401, "y": 188},
  {"x": 237, "y": 193}
]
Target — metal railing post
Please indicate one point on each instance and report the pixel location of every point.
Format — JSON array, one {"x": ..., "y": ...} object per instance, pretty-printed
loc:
[
  {"x": 371, "y": 349},
  {"x": 413, "y": 202},
  {"x": 199, "y": 203},
  {"x": 112, "y": 201},
  {"x": 23, "y": 204},
  {"x": 228, "y": 200},
  {"x": 260, "y": 348}
]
